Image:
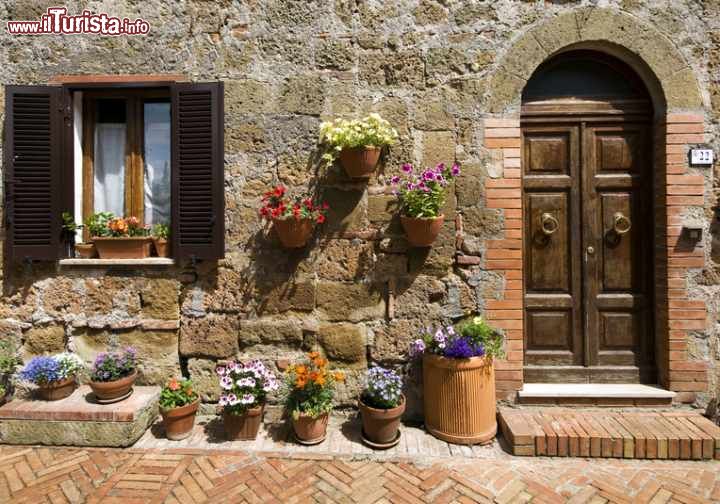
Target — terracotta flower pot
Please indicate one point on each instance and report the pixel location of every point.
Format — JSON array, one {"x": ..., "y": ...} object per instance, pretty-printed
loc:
[
  {"x": 422, "y": 232},
  {"x": 54, "y": 391},
  {"x": 380, "y": 426},
  {"x": 309, "y": 430},
  {"x": 114, "y": 391},
  {"x": 243, "y": 427},
  {"x": 293, "y": 233},
  {"x": 130, "y": 247},
  {"x": 162, "y": 248},
  {"x": 360, "y": 162},
  {"x": 459, "y": 397},
  {"x": 179, "y": 422},
  {"x": 85, "y": 250}
]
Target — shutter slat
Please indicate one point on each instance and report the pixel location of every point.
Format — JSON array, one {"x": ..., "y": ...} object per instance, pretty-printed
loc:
[
  {"x": 198, "y": 165},
  {"x": 33, "y": 161}
]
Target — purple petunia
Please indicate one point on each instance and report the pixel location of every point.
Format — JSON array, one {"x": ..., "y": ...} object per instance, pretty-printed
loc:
[{"x": 463, "y": 348}]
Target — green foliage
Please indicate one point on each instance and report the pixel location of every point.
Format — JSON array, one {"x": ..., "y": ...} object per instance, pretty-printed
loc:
[
  {"x": 370, "y": 131},
  {"x": 69, "y": 224},
  {"x": 97, "y": 223},
  {"x": 9, "y": 359},
  {"x": 177, "y": 393},
  {"x": 480, "y": 332},
  {"x": 2, "y": 391},
  {"x": 161, "y": 231}
]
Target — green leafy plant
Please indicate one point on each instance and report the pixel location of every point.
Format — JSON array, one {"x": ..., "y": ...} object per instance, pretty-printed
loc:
[
  {"x": 177, "y": 393},
  {"x": 69, "y": 224},
  {"x": 9, "y": 359},
  {"x": 161, "y": 231},
  {"x": 370, "y": 131},
  {"x": 481, "y": 333},
  {"x": 2, "y": 391},
  {"x": 310, "y": 387},
  {"x": 97, "y": 224}
]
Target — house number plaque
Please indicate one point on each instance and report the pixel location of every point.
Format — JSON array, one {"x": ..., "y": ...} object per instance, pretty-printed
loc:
[{"x": 701, "y": 157}]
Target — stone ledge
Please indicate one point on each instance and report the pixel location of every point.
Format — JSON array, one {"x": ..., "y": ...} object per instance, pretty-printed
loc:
[
  {"x": 76, "y": 422},
  {"x": 150, "y": 261},
  {"x": 593, "y": 390}
]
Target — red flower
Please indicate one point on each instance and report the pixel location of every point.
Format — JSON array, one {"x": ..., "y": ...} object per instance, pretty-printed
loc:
[
  {"x": 173, "y": 385},
  {"x": 279, "y": 191},
  {"x": 325, "y": 206},
  {"x": 320, "y": 219}
]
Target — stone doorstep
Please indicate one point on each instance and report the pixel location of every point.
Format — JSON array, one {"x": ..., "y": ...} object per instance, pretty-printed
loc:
[
  {"x": 77, "y": 407},
  {"x": 567, "y": 432},
  {"x": 599, "y": 394}
]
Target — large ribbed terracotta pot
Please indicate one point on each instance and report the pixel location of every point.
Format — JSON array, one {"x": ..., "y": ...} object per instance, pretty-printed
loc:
[
  {"x": 360, "y": 162},
  {"x": 293, "y": 233},
  {"x": 381, "y": 426},
  {"x": 309, "y": 430},
  {"x": 459, "y": 397},
  {"x": 130, "y": 247},
  {"x": 422, "y": 232},
  {"x": 243, "y": 427},
  {"x": 54, "y": 391},
  {"x": 179, "y": 422},
  {"x": 114, "y": 391}
]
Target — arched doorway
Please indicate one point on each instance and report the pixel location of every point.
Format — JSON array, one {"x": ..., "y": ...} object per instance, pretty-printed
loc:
[{"x": 587, "y": 189}]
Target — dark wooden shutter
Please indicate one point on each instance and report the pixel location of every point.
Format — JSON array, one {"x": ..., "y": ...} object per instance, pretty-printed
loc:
[
  {"x": 198, "y": 197},
  {"x": 33, "y": 164}
]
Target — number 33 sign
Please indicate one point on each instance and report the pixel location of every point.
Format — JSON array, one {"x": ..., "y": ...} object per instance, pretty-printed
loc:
[{"x": 701, "y": 156}]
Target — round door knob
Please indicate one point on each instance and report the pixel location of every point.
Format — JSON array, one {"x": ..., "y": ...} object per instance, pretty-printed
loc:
[
  {"x": 591, "y": 250},
  {"x": 548, "y": 224},
  {"x": 621, "y": 224}
]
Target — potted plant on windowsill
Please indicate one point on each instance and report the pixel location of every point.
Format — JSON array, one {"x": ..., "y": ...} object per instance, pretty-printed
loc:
[
  {"x": 293, "y": 218},
  {"x": 113, "y": 375},
  {"x": 358, "y": 143},
  {"x": 421, "y": 197},
  {"x": 55, "y": 376},
  {"x": 381, "y": 405},
  {"x": 9, "y": 362},
  {"x": 160, "y": 237},
  {"x": 178, "y": 406},
  {"x": 122, "y": 238},
  {"x": 244, "y": 389},
  {"x": 310, "y": 389},
  {"x": 459, "y": 381}
]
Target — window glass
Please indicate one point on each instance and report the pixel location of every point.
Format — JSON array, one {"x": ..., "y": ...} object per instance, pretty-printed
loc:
[
  {"x": 109, "y": 162},
  {"x": 157, "y": 162}
]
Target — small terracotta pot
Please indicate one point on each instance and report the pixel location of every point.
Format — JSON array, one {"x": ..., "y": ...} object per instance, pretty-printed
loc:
[
  {"x": 360, "y": 162},
  {"x": 162, "y": 249},
  {"x": 85, "y": 250},
  {"x": 128, "y": 247},
  {"x": 310, "y": 430},
  {"x": 381, "y": 425},
  {"x": 293, "y": 233},
  {"x": 114, "y": 391},
  {"x": 243, "y": 427},
  {"x": 179, "y": 422},
  {"x": 422, "y": 232},
  {"x": 54, "y": 391}
]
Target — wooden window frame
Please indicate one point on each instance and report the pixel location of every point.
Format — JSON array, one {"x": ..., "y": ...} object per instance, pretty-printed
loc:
[{"x": 135, "y": 98}]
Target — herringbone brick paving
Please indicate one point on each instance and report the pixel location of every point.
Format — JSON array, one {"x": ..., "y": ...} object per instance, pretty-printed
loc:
[{"x": 53, "y": 475}]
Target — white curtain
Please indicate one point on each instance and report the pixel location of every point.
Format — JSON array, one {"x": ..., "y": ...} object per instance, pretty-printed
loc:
[
  {"x": 157, "y": 163},
  {"x": 109, "y": 167}
]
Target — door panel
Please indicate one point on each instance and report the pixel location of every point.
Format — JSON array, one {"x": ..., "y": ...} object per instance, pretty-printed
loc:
[{"x": 587, "y": 250}]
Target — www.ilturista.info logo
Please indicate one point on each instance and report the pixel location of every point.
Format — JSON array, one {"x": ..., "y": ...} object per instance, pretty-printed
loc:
[{"x": 56, "y": 20}]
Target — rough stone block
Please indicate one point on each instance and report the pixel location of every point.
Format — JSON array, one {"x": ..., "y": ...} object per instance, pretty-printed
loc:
[
  {"x": 249, "y": 96},
  {"x": 303, "y": 94},
  {"x": 44, "y": 340},
  {"x": 160, "y": 299},
  {"x": 354, "y": 302},
  {"x": 284, "y": 331},
  {"x": 284, "y": 296},
  {"x": 342, "y": 260},
  {"x": 392, "y": 340},
  {"x": 347, "y": 209},
  {"x": 438, "y": 147},
  {"x": 419, "y": 296},
  {"x": 204, "y": 379},
  {"x": 344, "y": 344},
  {"x": 214, "y": 336}
]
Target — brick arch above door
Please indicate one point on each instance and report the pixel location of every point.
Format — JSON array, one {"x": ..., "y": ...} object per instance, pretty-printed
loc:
[{"x": 667, "y": 74}]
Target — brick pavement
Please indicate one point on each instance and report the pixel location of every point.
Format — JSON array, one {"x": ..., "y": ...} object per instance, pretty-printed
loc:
[{"x": 55, "y": 475}]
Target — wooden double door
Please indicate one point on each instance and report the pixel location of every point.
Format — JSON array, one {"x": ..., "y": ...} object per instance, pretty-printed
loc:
[{"x": 588, "y": 250}]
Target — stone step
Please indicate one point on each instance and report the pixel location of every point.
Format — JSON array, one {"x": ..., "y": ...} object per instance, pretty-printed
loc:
[
  {"x": 563, "y": 432},
  {"x": 595, "y": 394},
  {"x": 76, "y": 421}
]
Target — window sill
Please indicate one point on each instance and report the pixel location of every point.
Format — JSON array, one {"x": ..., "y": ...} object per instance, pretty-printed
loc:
[{"x": 150, "y": 261}]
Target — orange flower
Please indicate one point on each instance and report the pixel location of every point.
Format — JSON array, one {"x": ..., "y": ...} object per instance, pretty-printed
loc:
[
  {"x": 189, "y": 391},
  {"x": 320, "y": 362},
  {"x": 300, "y": 370},
  {"x": 300, "y": 383},
  {"x": 173, "y": 385},
  {"x": 320, "y": 380},
  {"x": 339, "y": 376},
  {"x": 313, "y": 375},
  {"x": 314, "y": 355},
  {"x": 118, "y": 225}
]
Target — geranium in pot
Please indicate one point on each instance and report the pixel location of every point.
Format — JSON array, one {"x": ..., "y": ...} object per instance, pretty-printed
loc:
[
  {"x": 120, "y": 237},
  {"x": 293, "y": 218},
  {"x": 113, "y": 375},
  {"x": 55, "y": 376},
  {"x": 381, "y": 405},
  {"x": 459, "y": 381},
  {"x": 358, "y": 143},
  {"x": 244, "y": 389},
  {"x": 178, "y": 406},
  {"x": 422, "y": 196},
  {"x": 160, "y": 237},
  {"x": 310, "y": 389},
  {"x": 9, "y": 362}
]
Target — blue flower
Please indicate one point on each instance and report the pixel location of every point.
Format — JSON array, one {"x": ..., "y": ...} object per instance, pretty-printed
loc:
[{"x": 41, "y": 370}]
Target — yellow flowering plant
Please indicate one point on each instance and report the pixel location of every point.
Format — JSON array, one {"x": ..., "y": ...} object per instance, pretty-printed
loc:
[
  {"x": 310, "y": 387},
  {"x": 370, "y": 131}
]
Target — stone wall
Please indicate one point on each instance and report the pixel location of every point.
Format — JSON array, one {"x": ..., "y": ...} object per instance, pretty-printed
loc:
[{"x": 357, "y": 293}]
